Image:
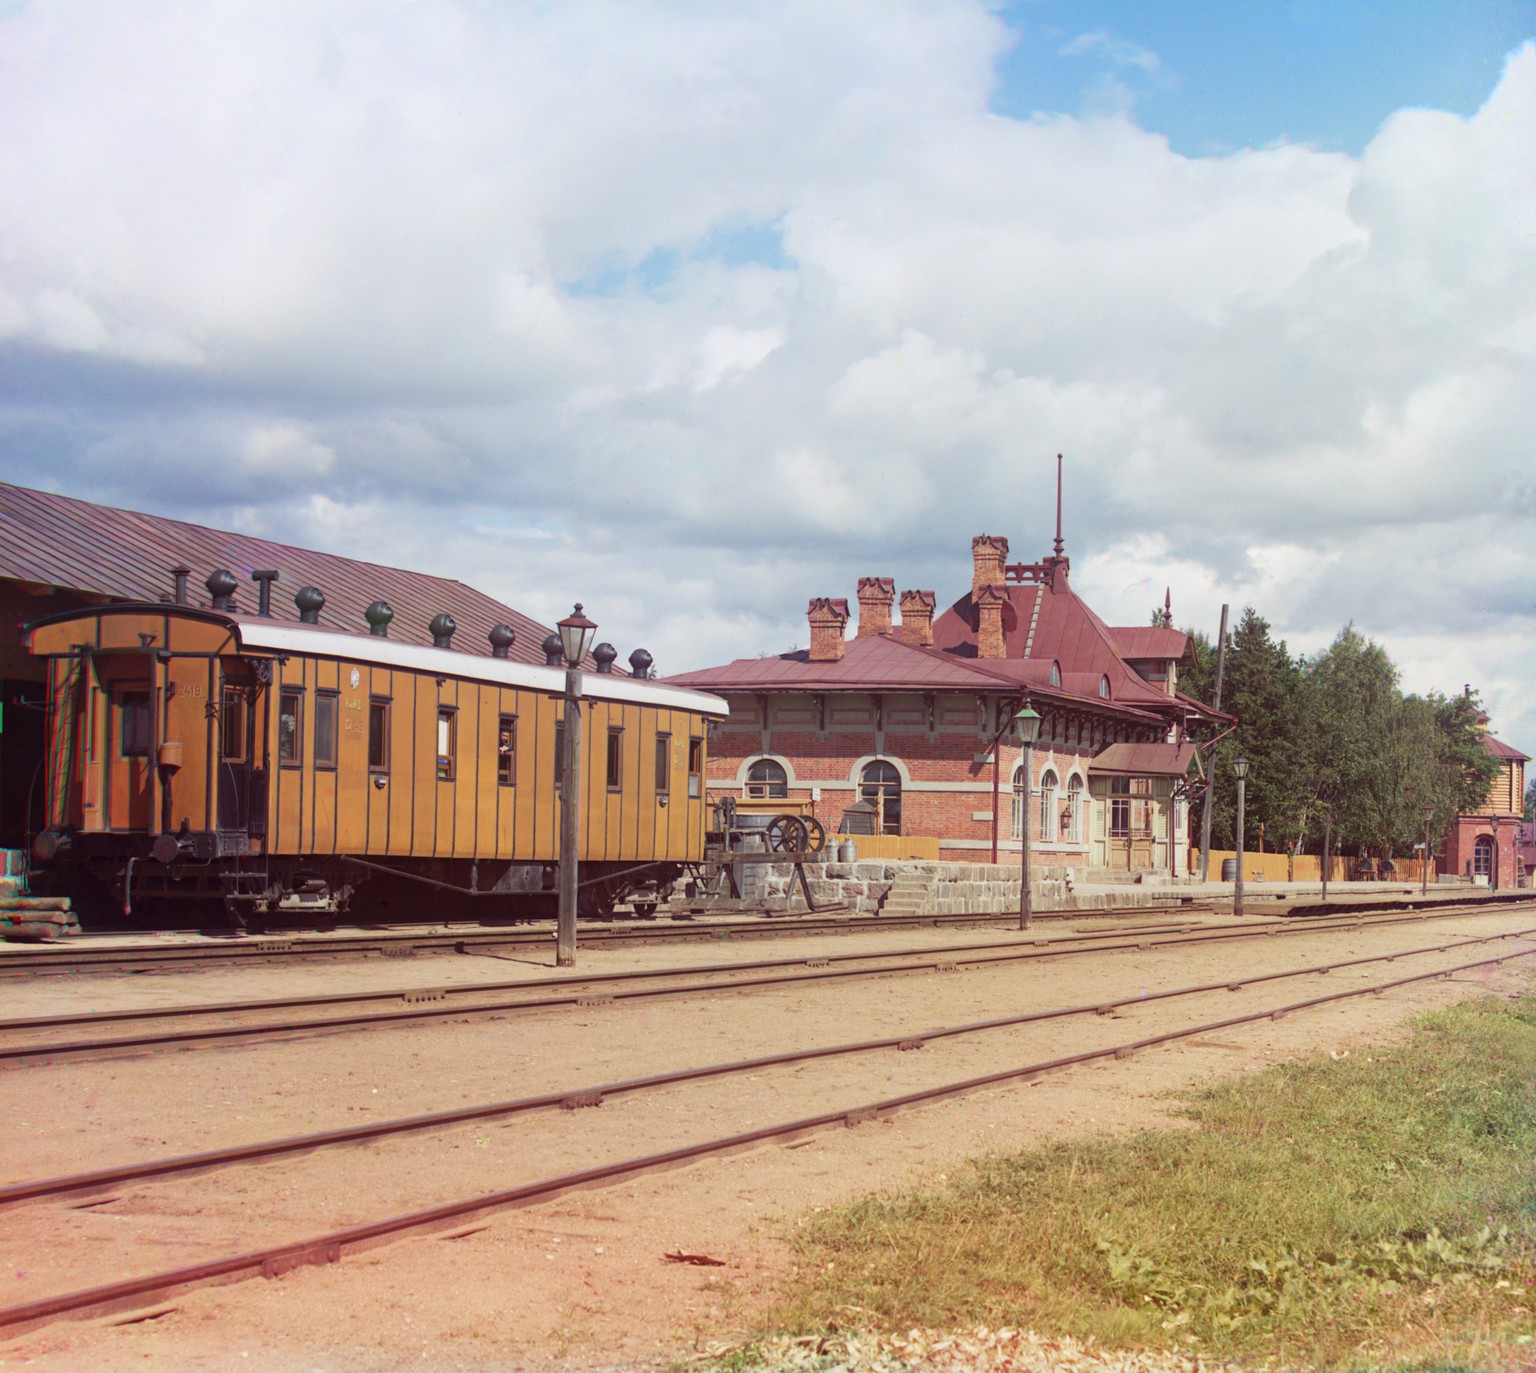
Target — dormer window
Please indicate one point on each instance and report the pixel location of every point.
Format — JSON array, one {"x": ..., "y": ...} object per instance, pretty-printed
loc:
[
  {"x": 1104, "y": 688},
  {"x": 1055, "y": 674}
]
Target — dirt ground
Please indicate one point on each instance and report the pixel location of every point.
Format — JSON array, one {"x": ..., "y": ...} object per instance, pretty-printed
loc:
[{"x": 585, "y": 1281}]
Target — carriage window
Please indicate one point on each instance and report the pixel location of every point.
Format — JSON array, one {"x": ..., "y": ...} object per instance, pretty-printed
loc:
[
  {"x": 288, "y": 742},
  {"x": 695, "y": 768},
  {"x": 766, "y": 778},
  {"x": 325, "y": 729},
  {"x": 133, "y": 724},
  {"x": 232, "y": 724},
  {"x": 447, "y": 741},
  {"x": 506, "y": 751},
  {"x": 378, "y": 735},
  {"x": 663, "y": 762},
  {"x": 615, "y": 759}
]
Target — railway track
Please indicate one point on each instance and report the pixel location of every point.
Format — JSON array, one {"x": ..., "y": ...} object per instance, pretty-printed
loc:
[
  {"x": 92, "y": 953},
  {"x": 95, "y": 953},
  {"x": 330, "y": 1245},
  {"x": 25, "y": 1041}
]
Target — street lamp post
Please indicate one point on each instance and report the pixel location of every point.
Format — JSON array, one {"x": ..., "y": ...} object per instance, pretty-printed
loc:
[
  {"x": 1240, "y": 771},
  {"x": 1027, "y": 723},
  {"x": 1429, "y": 811},
  {"x": 576, "y": 634}
]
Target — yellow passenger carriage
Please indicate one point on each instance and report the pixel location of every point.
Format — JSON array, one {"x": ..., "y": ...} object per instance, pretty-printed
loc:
[{"x": 250, "y": 765}]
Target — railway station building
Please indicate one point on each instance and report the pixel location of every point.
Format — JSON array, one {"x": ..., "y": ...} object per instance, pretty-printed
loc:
[
  {"x": 903, "y": 732},
  {"x": 58, "y": 553}
]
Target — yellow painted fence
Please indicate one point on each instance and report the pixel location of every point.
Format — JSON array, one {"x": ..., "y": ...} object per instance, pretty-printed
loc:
[{"x": 1305, "y": 867}]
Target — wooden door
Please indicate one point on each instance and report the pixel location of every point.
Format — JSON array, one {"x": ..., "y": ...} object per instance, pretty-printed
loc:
[{"x": 130, "y": 740}]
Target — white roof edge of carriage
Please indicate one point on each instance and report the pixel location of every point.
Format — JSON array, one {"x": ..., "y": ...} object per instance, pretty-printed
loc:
[{"x": 449, "y": 662}]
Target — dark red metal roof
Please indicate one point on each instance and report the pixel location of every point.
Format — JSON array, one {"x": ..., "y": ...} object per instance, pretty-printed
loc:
[
  {"x": 1043, "y": 624},
  {"x": 1151, "y": 641},
  {"x": 1501, "y": 750},
  {"x": 57, "y": 541},
  {"x": 876, "y": 662},
  {"x": 1144, "y": 760}
]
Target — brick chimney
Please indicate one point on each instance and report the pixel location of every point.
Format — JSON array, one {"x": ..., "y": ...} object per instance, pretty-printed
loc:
[
  {"x": 917, "y": 609},
  {"x": 876, "y": 595},
  {"x": 829, "y": 620},
  {"x": 989, "y": 553},
  {"x": 989, "y": 602}
]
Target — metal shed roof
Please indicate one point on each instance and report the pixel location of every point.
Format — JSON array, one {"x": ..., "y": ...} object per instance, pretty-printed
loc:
[{"x": 59, "y": 541}]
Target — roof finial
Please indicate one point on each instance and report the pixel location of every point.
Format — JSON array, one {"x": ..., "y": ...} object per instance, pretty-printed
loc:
[
  {"x": 1167, "y": 607},
  {"x": 1059, "y": 544}
]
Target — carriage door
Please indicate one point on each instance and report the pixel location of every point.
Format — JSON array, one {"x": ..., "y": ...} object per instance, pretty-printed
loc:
[
  {"x": 237, "y": 703},
  {"x": 129, "y": 738}
]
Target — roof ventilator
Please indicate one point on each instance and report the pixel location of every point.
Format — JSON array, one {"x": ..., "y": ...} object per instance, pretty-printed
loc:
[
  {"x": 378, "y": 616},
  {"x": 640, "y": 664},
  {"x": 310, "y": 601},
  {"x": 554, "y": 656},
  {"x": 441, "y": 630},
  {"x": 221, "y": 586},
  {"x": 605, "y": 655},
  {"x": 179, "y": 577},
  {"x": 502, "y": 638},
  {"x": 264, "y": 582}
]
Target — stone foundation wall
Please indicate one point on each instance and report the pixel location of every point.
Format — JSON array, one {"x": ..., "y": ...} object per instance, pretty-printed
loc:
[{"x": 952, "y": 888}]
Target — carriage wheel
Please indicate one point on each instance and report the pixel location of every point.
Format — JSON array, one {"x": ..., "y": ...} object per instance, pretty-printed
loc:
[
  {"x": 818, "y": 835},
  {"x": 788, "y": 834}
]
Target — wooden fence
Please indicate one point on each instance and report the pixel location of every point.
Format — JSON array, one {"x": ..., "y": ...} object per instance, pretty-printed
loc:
[
  {"x": 890, "y": 846},
  {"x": 1308, "y": 867}
]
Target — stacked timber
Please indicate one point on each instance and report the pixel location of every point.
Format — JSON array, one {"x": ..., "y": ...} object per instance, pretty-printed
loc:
[{"x": 25, "y": 917}]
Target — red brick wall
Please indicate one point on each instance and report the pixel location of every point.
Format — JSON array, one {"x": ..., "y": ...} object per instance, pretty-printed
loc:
[
  {"x": 1461, "y": 844},
  {"x": 951, "y": 755}
]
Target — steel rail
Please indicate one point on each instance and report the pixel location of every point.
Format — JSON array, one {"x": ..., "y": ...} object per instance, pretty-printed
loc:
[
  {"x": 925, "y": 960},
  {"x": 329, "y": 1247},
  {"x": 569, "y": 1098},
  {"x": 299, "y": 946},
  {"x": 920, "y": 960},
  {"x": 604, "y": 979}
]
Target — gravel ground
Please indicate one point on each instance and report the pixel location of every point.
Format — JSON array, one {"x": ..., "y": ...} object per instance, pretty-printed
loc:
[{"x": 594, "y": 1279}]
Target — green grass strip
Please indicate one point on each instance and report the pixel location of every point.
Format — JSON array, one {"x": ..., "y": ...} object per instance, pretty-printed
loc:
[{"x": 1366, "y": 1211}]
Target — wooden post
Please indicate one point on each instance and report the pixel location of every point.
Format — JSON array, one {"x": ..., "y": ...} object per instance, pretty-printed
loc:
[
  {"x": 1210, "y": 772},
  {"x": 1026, "y": 902},
  {"x": 1237, "y": 891}
]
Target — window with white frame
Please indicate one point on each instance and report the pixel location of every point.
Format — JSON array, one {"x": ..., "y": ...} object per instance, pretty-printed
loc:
[
  {"x": 1045, "y": 825},
  {"x": 1072, "y": 812}
]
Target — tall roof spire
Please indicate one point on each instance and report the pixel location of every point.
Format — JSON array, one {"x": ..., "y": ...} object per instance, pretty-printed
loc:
[{"x": 1059, "y": 544}]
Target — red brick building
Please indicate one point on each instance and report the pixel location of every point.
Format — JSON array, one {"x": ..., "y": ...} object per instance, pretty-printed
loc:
[
  {"x": 1484, "y": 844},
  {"x": 914, "y": 718}
]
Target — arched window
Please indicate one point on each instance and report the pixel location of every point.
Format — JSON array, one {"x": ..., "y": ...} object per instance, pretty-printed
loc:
[
  {"x": 766, "y": 778},
  {"x": 880, "y": 785},
  {"x": 1104, "y": 688},
  {"x": 1046, "y": 827},
  {"x": 1055, "y": 674},
  {"x": 1482, "y": 857},
  {"x": 1020, "y": 803},
  {"x": 1072, "y": 812}
]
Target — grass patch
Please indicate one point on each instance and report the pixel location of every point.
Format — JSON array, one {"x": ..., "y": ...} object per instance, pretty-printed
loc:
[{"x": 1362, "y": 1212}]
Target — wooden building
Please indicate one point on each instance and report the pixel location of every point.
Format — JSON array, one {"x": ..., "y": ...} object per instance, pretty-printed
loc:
[{"x": 913, "y": 719}]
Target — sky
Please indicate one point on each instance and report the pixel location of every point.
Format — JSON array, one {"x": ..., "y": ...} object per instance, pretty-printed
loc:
[{"x": 691, "y": 311}]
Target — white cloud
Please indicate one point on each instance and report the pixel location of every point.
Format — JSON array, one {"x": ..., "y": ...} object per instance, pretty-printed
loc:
[{"x": 694, "y": 312}]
